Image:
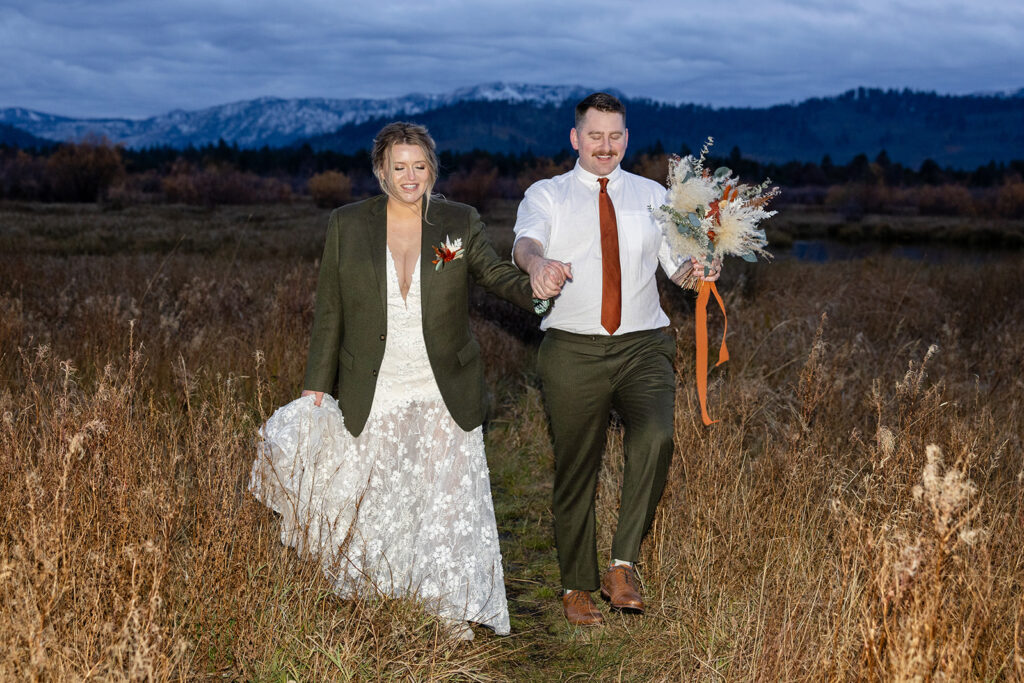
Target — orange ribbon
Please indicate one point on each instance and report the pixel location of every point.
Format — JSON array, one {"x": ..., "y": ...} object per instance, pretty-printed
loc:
[{"x": 707, "y": 289}]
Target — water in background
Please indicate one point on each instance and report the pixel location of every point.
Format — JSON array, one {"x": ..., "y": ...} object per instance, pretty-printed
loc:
[{"x": 821, "y": 251}]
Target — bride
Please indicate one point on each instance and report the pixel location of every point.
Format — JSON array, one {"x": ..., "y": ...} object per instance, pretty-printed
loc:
[{"x": 387, "y": 484}]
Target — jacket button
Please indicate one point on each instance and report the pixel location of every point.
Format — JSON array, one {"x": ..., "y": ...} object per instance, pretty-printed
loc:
[
  {"x": 374, "y": 373},
  {"x": 382, "y": 337}
]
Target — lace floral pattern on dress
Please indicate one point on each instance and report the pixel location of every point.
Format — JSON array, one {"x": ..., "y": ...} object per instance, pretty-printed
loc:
[{"x": 405, "y": 508}]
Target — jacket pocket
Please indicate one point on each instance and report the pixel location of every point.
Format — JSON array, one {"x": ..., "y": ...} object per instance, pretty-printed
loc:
[
  {"x": 345, "y": 358},
  {"x": 468, "y": 352}
]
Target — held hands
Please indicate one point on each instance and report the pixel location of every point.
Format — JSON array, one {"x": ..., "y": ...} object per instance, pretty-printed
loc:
[
  {"x": 547, "y": 277},
  {"x": 318, "y": 394}
]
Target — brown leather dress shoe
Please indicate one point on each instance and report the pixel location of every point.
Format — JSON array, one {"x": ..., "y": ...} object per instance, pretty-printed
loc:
[
  {"x": 621, "y": 588},
  {"x": 580, "y": 610}
]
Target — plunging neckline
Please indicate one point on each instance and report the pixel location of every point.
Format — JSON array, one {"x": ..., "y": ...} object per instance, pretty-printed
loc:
[{"x": 398, "y": 279}]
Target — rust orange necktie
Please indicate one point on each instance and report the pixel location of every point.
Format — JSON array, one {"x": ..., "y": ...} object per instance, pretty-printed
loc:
[{"x": 611, "y": 272}]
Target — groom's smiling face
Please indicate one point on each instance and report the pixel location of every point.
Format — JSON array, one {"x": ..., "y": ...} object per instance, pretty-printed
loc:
[{"x": 601, "y": 141}]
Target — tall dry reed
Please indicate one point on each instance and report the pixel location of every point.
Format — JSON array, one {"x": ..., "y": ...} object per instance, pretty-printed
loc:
[{"x": 856, "y": 514}]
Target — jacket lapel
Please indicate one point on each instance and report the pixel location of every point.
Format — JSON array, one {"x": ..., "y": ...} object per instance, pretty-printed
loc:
[
  {"x": 431, "y": 237},
  {"x": 377, "y": 239}
]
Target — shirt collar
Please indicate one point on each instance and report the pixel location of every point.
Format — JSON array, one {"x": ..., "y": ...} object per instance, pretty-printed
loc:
[{"x": 590, "y": 180}]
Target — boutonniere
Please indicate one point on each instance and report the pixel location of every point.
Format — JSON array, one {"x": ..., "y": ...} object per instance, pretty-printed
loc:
[{"x": 448, "y": 251}]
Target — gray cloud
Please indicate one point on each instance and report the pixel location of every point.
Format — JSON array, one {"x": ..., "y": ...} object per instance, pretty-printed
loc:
[{"x": 132, "y": 58}]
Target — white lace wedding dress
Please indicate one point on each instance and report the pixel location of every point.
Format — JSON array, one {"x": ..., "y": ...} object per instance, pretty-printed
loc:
[{"x": 404, "y": 509}]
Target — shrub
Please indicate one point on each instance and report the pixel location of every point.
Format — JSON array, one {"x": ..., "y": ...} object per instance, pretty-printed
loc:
[
  {"x": 540, "y": 169},
  {"x": 475, "y": 186},
  {"x": 1010, "y": 200},
  {"x": 216, "y": 185},
  {"x": 330, "y": 189},
  {"x": 945, "y": 200},
  {"x": 853, "y": 200},
  {"x": 134, "y": 189},
  {"x": 84, "y": 171},
  {"x": 653, "y": 166},
  {"x": 23, "y": 177}
]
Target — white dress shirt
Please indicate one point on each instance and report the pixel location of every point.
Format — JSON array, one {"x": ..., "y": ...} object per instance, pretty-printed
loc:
[{"x": 562, "y": 214}]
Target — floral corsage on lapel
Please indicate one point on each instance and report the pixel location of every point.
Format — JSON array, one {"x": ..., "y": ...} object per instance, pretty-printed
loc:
[{"x": 448, "y": 251}]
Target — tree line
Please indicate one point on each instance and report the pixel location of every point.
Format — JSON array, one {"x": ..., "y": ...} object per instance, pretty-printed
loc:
[{"x": 95, "y": 170}]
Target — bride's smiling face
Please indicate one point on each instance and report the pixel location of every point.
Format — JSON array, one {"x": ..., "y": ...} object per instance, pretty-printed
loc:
[{"x": 410, "y": 173}]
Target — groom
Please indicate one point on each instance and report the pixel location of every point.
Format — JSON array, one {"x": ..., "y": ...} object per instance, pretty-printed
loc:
[{"x": 587, "y": 236}]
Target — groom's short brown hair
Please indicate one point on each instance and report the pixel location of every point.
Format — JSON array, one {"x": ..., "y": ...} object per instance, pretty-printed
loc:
[{"x": 600, "y": 101}]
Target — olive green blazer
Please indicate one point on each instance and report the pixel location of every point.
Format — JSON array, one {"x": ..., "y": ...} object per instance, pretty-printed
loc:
[{"x": 350, "y": 324}]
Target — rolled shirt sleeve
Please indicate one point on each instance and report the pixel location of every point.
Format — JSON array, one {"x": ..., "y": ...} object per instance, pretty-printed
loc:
[{"x": 533, "y": 218}]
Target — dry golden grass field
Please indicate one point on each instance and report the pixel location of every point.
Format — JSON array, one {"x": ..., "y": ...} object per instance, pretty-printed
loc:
[{"x": 857, "y": 514}]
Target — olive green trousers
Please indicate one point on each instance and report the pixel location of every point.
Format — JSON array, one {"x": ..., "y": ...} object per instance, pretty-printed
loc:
[{"x": 584, "y": 377}]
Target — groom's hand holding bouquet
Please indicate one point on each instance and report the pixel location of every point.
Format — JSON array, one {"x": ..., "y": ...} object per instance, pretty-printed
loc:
[{"x": 707, "y": 216}]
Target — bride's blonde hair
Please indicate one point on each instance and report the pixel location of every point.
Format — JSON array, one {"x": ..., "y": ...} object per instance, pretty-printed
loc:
[{"x": 402, "y": 133}]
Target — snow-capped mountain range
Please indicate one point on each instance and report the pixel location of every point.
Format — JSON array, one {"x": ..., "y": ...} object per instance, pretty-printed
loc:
[
  {"x": 961, "y": 131},
  {"x": 269, "y": 120}
]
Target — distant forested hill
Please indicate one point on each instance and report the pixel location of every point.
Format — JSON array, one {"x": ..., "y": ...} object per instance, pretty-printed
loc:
[
  {"x": 956, "y": 131},
  {"x": 16, "y": 137}
]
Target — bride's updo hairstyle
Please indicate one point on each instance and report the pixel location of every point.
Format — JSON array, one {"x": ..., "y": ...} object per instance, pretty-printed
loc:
[{"x": 402, "y": 133}]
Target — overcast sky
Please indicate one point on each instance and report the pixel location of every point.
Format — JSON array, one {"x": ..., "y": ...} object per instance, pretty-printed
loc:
[{"x": 138, "y": 58}]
